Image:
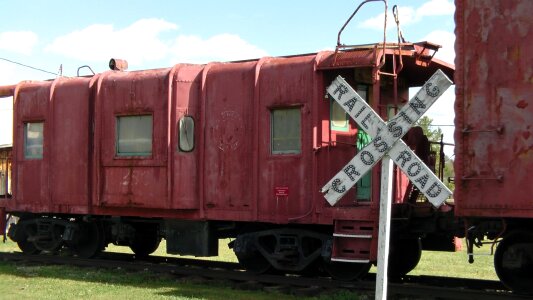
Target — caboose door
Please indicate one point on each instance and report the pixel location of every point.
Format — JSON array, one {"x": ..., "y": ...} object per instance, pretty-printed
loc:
[
  {"x": 131, "y": 132},
  {"x": 229, "y": 143}
]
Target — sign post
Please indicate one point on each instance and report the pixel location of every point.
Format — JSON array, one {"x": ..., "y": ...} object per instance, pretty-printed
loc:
[
  {"x": 385, "y": 204},
  {"x": 387, "y": 142}
]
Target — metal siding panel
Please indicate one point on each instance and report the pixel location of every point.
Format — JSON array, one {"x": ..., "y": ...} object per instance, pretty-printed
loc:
[
  {"x": 494, "y": 153},
  {"x": 70, "y": 137},
  {"x": 286, "y": 83},
  {"x": 186, "y": 100},
  {"x": 228, "y": 136},
  {"x": 133, "y": 181},
  {"x": 31, "y": 175}
]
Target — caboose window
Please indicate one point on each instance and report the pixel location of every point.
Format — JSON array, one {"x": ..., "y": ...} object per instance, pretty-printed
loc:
[
  {"x": 286, "y": 131},
  {"x": 33, "y": 140},
  {"x": 186, "y": 134},
  {"x": 134, "y": 135},
  {"x": 339, "y": 117}
]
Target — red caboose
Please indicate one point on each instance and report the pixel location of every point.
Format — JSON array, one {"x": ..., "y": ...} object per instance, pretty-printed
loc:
[
  {"x": 493, "y": 132},
  {"x": 195, "y": 153}
]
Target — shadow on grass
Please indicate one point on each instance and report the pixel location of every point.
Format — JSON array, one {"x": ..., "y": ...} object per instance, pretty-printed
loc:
[{"x": 119, "y": 283}]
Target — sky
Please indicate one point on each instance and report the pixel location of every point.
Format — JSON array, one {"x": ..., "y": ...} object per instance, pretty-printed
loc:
[{"x": 50, "y": 35}]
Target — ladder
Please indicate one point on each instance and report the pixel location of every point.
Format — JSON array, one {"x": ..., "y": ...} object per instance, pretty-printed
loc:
[{"x": 352, "y": 241}]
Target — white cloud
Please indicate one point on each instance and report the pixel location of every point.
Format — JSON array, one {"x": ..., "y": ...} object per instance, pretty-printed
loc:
[
  {"x": 446, "y": 40},
  {"x": 409, "y": 15},
  {"x": 222, "y": 47},
  {"x": 141, "y": 42},
  {"x": 436, "y": 8},
  {"x": 21, "y": 42},
  {"x": 136, "y": 43}
]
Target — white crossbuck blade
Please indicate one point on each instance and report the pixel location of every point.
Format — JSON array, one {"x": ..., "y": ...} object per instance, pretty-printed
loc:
[{"x": 387, "y": 140}]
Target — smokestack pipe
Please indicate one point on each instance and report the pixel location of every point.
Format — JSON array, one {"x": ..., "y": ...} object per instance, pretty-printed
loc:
[{"x": 118, "y": 64}]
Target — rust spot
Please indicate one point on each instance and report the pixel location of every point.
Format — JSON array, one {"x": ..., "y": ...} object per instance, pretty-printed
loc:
[
  {"x": 522, "y": 104},
  {"x": 526, "y": 134}
]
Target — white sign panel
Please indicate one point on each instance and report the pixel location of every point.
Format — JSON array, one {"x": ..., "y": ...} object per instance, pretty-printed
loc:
[{"x": 386, "y": 140}]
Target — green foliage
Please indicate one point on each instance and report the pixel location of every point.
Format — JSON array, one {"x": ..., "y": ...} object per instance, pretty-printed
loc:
[{"x": 434, "y": 135}]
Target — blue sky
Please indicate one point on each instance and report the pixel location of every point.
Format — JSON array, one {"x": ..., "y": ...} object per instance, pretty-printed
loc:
[{"x": 153, "y": 34}]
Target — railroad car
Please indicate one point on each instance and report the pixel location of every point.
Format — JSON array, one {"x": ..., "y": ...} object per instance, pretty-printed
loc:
[
  {"x": 195, "y": 153},
  {"x": 493, "y": 133}
]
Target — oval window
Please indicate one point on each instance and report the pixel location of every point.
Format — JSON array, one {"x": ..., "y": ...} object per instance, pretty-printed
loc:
[{"x": 186, "y": 134}]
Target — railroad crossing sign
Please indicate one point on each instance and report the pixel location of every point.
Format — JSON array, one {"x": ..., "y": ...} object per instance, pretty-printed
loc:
[{"x": 387, "y": 140}]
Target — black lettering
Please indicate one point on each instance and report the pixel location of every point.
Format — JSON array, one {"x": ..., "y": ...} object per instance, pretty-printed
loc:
[
  {"x": 380, "y": 145},
  {"x": 367, "y": 117},
  {"x": 434, "y": 190},
  {"x": 423, "y": 180},
  {"x": 416, "y": 104},
  {"x": 396, "y": 130},
  {"x": 350, "y": 103},
  {"x": 405, "y": 117},
  {"x": 335, "y": 185},
  {"x": 367, "y": 158},
  {"x": 434, "y": 92},
  {"x": 341, "y": 89},
  {"x": 350, "y": 171},
  {"x": 360, "y": 111},
  {"x": 410, "y": 169},
  {"x": 405, "y": 156}
]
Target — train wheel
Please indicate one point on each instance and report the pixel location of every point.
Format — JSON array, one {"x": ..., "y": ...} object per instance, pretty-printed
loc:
[
  {"x": 90, "y": 240},
  {"x": 254, "y": 262},
  {"x": 146, "y": 240},
  {"x": 404, "y": 257},
  {"x": 513, "y": 261},
  {"x": 54, "y": 242},
  {"x": 28, "y": 247},
  {"x": 346, "y": 271},
  {"x": 24, "y": 245}
]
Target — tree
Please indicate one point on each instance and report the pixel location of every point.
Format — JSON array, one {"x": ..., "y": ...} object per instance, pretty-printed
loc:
[{"x": 434, "y": 136}]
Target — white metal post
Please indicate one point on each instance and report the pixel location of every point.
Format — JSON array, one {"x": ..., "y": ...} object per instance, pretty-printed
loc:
[{"x": 385, "y": 203}]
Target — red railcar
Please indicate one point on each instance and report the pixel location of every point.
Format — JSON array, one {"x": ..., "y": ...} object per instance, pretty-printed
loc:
[
  {"x": 493, "y": 132},
  {"x": 195, "y": 153}
]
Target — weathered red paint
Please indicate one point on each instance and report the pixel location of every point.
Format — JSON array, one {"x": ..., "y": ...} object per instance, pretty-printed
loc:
[
  {"x": 231, "y": 173},
  {"x": 494, "y": 85}
]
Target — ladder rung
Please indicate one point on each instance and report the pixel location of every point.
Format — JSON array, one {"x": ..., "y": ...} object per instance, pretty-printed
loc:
[
  {"x": 356, "y": 261},
  {"x": 358, "y": 236}
]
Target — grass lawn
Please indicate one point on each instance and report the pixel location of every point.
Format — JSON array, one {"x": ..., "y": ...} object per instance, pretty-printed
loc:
[{"x": 63, "y": 282}]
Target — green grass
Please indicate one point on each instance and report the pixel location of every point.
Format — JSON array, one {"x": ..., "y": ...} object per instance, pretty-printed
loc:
[
  {"x": 30, "y": 281},
  {"x": 456, "y": 264}
]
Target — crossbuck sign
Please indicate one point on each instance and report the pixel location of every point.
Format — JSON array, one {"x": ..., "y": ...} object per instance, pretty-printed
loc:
[{"x": 387, "y": 140}]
